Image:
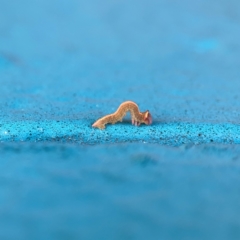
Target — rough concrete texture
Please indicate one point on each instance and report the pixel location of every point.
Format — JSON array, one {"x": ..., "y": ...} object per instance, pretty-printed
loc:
[{"x": 64, "y": 64}]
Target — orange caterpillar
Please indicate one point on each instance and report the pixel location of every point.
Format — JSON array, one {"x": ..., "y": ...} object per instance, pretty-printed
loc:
[{"x": 137, "y": 117}]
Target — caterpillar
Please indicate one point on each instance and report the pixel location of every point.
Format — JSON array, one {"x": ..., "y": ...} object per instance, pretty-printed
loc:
[{"x": 136, "y": 116}]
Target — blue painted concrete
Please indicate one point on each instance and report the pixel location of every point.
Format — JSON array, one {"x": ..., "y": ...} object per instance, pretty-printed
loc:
[
  {"x": 119, "y": 191},
  {"x": 64, "y": 64},
  {"x": 80, "y": 131}
]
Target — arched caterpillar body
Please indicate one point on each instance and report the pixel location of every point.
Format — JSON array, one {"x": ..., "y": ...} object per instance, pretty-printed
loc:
[{"x": 136, "y": 116}]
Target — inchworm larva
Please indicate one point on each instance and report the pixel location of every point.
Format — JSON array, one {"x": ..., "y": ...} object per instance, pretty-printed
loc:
[{"x": 137, "y": 117}]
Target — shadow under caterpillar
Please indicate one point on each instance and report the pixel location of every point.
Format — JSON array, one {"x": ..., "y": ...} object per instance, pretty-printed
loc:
[{"x": 136, "y": 116}]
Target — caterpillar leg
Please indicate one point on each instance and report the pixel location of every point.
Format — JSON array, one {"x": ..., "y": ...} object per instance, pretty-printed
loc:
[
  {"x": 100, "y": 126},
  {"x": 135, "y": 122}
]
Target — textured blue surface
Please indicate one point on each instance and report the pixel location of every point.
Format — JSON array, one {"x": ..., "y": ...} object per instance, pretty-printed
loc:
[
  {"x": 120, "y": 191},
  {"x": 80, "y": 131},
  {"x": 64, "y": 64}
]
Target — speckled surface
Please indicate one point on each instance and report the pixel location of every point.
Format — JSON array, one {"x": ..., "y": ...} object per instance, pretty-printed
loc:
[
  {"x": 80, "y": 131},
  {"x": 64, "y": 64}
]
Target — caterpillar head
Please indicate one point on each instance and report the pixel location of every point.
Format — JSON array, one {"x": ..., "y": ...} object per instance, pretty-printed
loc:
[{"x": 147, "y": 118}]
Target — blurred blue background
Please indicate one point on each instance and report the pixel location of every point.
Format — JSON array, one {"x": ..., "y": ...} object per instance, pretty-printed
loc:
[{"x": 64, "y": 64}]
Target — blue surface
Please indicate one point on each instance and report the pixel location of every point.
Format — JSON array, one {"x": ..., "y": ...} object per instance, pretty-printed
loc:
[
  {"x": 120, "y": 191},
  {"x": 80, "y": 131},
  {"x": 64, "y": 64}
]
